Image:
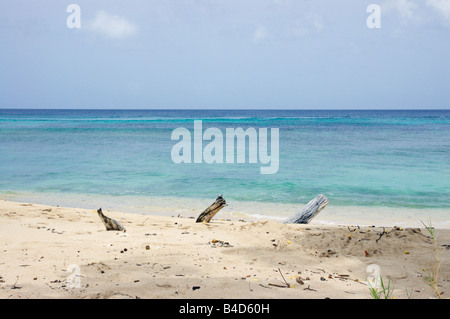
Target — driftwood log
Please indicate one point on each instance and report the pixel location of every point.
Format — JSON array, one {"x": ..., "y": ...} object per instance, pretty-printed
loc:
[
  {"x": 309, "y": 211},
  {"x": 110, "y": 223},
  {"x": 212, "y": 210},
  {"x": 306, "y": 214}
]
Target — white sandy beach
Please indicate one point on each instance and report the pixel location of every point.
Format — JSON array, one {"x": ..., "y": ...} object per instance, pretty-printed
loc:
[{"x": 43, "y": 247}]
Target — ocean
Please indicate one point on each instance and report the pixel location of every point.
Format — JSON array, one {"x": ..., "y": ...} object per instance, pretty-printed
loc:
[{"x": 374, "y": 166}]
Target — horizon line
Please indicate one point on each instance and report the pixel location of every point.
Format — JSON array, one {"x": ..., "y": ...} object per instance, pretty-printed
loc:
[{"x": 232, "y": 109}]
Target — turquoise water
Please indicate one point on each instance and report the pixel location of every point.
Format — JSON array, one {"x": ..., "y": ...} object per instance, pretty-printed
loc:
[{"x": 398, "y": 159}]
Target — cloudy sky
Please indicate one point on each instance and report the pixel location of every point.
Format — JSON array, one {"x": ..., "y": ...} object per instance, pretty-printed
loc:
[{"x": 279, "y": 54}]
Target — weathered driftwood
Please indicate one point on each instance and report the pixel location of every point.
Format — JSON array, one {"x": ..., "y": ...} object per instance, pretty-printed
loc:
[
  {"x": 309, "y": 211},
  {"x": 110, "y": 223},
  {"x": 212, "y": 210}
]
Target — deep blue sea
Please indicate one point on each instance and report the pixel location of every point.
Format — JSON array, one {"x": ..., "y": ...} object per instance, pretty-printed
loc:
[{"x": 390, "y": 159}]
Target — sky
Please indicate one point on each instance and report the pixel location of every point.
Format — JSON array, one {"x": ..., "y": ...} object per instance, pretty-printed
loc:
[{"x": 225, "y": 54}]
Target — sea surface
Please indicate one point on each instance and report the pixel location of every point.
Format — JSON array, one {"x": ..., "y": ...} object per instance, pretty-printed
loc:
[{"x": 373, "y": 166}]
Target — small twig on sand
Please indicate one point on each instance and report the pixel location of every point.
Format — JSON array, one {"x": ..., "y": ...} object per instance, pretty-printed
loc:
[
  {"x": 381, "y": 235},
  {"x": 387, "y": 232},
  {"x": 287, "y": 285},
  {"x": 264, "y": 286},
  {"x": 308, "y": 288},
  {"x": 14, "y": 286},
  {"x": 276, "y": 285}
]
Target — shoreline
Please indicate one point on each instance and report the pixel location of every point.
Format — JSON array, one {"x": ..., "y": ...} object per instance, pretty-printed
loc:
[
  {"x": 224, "y": 258},
  {"x": 170, "y": 206}
]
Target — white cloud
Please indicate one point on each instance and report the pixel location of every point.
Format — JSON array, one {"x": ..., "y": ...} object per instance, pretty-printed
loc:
[
  {"x": 297, "y": 30},
  {"x": 405, "y": 9},
  {"x": 260, "y": 33},
  {"x": 443, "y": 6},
  {"x": 316, "y": 21},
  {"x": 112, "y": 26},
  {"x": 309, "y": 24}
]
